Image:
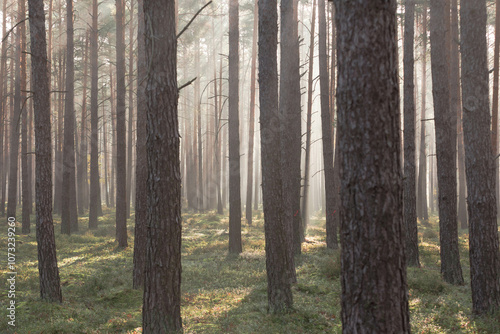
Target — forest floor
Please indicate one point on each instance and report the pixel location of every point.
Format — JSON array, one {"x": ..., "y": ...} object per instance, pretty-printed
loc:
[{"x": 220, "y": 293}]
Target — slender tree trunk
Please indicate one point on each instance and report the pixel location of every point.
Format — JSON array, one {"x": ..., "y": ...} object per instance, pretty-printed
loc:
[
  {"x": 130, "y": 107},
  {"x": 95, "y": 192},
  {"x": 50, "y": 287},
  {"x": 251, "y": 121},
  {"x": 162, "y": 293},
  {"x": 410, "y": 201},
  {"x": 83, "y": 185},
  {"x": 234, "y": 134},
  {"x": 141, "y": 171},
  {"x": 121, "y": 154},
  {"x": 3, "y": 111},
  {"x": 422, "y": 211},
  {"x": 279, "y": 293},
  {"x": 25, "y": 187},
  {"x": 105, "y": 155},
  {"x": 374, "y": 292},
  {"x": 69, "y": 213},
  {"x": 305, "y": 196},
  {"x": 326, "y": 126},
  {"x": 113, "y": 139},
  {"x": 456, "y": 106},
  {"x": 479, "y": 160},
  {"x": 446, "y": 141}
]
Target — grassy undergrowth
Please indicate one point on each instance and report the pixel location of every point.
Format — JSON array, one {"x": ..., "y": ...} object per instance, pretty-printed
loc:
[{"x": 221, "y": 293}]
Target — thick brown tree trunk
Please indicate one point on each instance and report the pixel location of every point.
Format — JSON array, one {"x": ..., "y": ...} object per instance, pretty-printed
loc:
[
  {"x": 279, "y": 293},
  {"x": 121, "y": 149},
  {"x": 162, "y": 292},
  {"x": 234, "y": 132},
  {"x": 410, "y": 200},
  {"x": 479, "y": 160},
  {"x": 374, "y": 292},
  {"x": 494, "y": 109},
  {"x": 291, "y": 136},
  {"x": 326, "y": 126},
  {"x": 446, "y": 141},
  {"x": 69, "y": 214},
  {"x": 50, "y": 288}
]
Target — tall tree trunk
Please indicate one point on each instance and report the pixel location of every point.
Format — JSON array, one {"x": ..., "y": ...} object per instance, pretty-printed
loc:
[
  {"x": 479, "y": 160},
  {"x": 422, "y": 211},
  {"x": 279, "y": 293},
  {"x": 374, "y": 292},
  {"x": 3, "y": 111},
  {"x": 26, "y": 184},
  {"x": 141, "y": 170},
  {"x": 326, "y": 126},
  {"x": 291, "y": 136},
  {"x": 234, "y": 132},
  {"x": 50, "y": 287},
  {"x": 162, "y": 293},
  {"x": 83, "y": 184},
  {"x": 69, "y": 214},
  {"x": 113, "y": 138},
  {"x": 105, "y": 154},
  {"x": 494, "y": 110},
  {"x": 305, "y": 196},
  {"x": 456, "y": 106},
  {"x": 95, "y": 192},
  {"x": 251, "y": 121},
  {"x": 446, "y": 141},
  {"x": 130, "y": 106},
  {"x": 410, "y": 201},
  {"x": 121, "y": 149}
]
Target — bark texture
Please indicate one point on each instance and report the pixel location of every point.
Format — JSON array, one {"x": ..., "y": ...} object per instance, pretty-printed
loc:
[
  {"x": 50, "y": 287},
  {"x": 234, "y": 132},
  {"x": 481, "y": 199},
  {"x": 279, "y": 293},
  {"x": 162, "y": 293},
  {"x": 374, "y": 292}
]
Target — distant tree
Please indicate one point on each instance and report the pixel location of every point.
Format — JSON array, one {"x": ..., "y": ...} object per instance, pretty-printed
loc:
[
  {"x": 50, "y": 287},
  {"x": 162, "y": 293},
  {"x": 410, "y": 201},
  {"x": 422, "y": 209},
  {"x": 69, "y": 214},
  {"x": 279, "y": 293},
  {"x": 141, "y": 170},
  {"x": 3, "y": 113},
  {"x": 234, "y": 132},
  {"x": 445, "y": 120},
  {"x": 479, "y": 160},
  {"x": 326, "y": 126},
  {"x": 82, "y": 168},
  {"x": 374, "y": 291},
  {"x": 95, "y": 191}
]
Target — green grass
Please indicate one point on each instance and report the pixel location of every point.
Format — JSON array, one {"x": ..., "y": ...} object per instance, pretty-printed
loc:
[{"x": 220, "y": 293}]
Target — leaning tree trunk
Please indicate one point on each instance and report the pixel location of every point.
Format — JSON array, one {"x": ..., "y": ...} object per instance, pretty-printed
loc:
[
  {"x": 374, "y": 292},
  {"x": 326, "y": 126},
  {"x": 479, "y": 160},
  {"x": 50, "y": 287},
  {"x": 410, "y": 200},
  {"x": 121, "y": 153},
  {"x": 162, "y": 290},
  {"x": 446, "y": 142},
  {"x": 234, "y": 132},
  {"x": 279, "y": 293}
]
